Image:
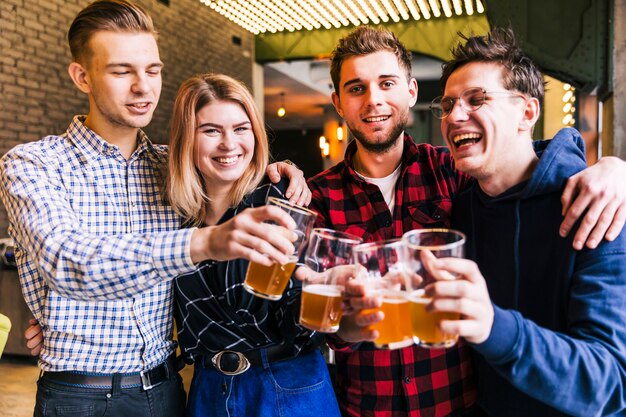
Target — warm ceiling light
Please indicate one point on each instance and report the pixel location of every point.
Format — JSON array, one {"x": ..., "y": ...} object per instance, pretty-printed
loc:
[
  {"x": 261, "y": 16},
  {"x": 445, "y": 5},
  {"x": 458, "y": 9},
  {"x": 479, "y": 7},
  {"x": 281, "y": 112},
  {"x": 339, "y": 133},
  {"x": 434, "y": 7}
]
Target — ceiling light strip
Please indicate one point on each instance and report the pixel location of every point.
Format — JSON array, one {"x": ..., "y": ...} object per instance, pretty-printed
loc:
[
  {"x": 400, "y": 7},
  {"x": 424, "y": 9},
  {"x": 290, "y": 13},
  {"x": 458, "y": 9},
  {"x": 257, "y": 16},
  {"x": 390, "y": 11},
  {"x": 223, "y": 10},
  {"x": 370, "y": 14},
  {"x": 479, "y": 7},
  {"x": 339, "y": 17},
  {"x": 312, "y": 9},
  {"x": 358, "y": 12},
  {"x": 434, "y": 8},
  {"x": 306, "y": 10},
  {"x": 299, "y": 13},
  {"x": 348, "y": 13},
  {"x": 445, "y": 5},
  {"x": 322, "y": 12},
  {"x": 279, "y": 11},
  {"x": 413, "y": 10},
  {"x": 279, "y": 14},
  {"x": 264, "y": 15},
  {"x": 381, "y": 13}
]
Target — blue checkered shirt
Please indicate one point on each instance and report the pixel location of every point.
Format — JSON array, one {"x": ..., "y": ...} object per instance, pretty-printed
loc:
[{"x": 96, "y": 249}]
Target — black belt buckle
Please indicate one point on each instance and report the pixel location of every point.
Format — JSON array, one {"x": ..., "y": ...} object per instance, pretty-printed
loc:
[
  {"x": 242, "y": 366},
  {"x": 148, "y": 376}
]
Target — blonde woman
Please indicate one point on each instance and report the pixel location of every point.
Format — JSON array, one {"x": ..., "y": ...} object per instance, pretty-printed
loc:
[{"x": 218, "y": 156}]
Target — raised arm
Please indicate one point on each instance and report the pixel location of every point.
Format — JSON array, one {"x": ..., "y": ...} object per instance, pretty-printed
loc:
[
  {"x": 54, "y": 236},
  {"x": 599, "y": 194}
]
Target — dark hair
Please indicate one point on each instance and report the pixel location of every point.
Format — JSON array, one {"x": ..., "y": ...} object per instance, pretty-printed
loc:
[
  {"x": 366, "y": 40},
  {"x": 105, "y": 15},
  {"x": 499, "y": 46}
]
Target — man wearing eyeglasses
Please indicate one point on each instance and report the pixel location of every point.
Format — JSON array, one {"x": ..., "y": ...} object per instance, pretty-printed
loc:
[
  {"x": 547, "y": 322},
  {"x": 388, "y": 185}
]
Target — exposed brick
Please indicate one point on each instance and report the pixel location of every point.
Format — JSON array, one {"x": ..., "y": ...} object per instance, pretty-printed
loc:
[{"x": 37, "y": 95}]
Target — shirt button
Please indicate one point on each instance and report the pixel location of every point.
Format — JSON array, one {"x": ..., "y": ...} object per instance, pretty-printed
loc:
[
  {"x": 388, "y": 223},
  {"x": 108, "y": 395},
  {"x": 407, "y": 380}
]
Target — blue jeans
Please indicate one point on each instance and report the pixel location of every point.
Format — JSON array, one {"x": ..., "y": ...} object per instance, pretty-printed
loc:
[
  {"x": 298, "y": 387},
  {"x": 59, "y": 400}
]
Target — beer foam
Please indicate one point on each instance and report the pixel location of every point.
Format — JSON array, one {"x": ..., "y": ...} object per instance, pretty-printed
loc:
[
  {"x": 324, "y": 289},
  {"x": 418, "y": 297}
]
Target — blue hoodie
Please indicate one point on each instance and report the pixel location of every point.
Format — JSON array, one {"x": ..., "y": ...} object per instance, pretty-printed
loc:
[{"x": 558, "y": 342}]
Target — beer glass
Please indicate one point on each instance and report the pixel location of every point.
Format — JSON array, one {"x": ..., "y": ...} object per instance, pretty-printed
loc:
[
  {"x": 329, "y": 258},
  {"x": 442, "y": 243},
  {"x": 270, "y": 281},
  {"x": 385, "y": 275}
]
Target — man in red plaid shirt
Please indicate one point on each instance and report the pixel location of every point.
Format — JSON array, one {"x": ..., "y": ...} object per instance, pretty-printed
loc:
[{"x": 385, "y": 186}]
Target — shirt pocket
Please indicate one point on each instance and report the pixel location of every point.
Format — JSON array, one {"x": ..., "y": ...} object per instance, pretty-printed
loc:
[{"x": 431, "y": 214}]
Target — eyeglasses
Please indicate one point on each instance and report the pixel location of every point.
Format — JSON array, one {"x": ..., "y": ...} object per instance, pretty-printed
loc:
[{"x": 471, "y": 100}]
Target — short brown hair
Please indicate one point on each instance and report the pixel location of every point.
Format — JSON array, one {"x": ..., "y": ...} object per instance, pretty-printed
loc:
[
  {"x": 366, "y": 40},
  {"x": 499, "y": 46},
  {"x": 186, "y": 192},
  {"x": 109, "y": 15}
]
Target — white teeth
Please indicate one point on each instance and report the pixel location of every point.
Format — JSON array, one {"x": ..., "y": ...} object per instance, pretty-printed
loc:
[
  {"x": 140, "y": 105},
  {"x": 376, "y": 119},
  {"x": 466, "y": 136},
  {"x": 226, "y": 159}
]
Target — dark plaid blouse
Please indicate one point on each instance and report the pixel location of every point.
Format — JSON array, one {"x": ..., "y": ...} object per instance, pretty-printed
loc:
[{"x": 214, "y": 312}]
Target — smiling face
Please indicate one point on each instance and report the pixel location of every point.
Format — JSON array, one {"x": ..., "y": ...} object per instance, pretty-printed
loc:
[
  {"x": 123, "y": 80},
  {"x": 374, "y": 99},
  {"x": 485, "y": 142},
  {"x": 224, "y": 144}
]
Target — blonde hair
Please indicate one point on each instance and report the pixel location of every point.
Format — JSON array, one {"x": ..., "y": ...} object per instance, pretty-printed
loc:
[{"x": 186, "y": 189}]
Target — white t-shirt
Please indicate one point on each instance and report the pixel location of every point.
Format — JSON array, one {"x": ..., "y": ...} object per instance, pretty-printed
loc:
[{"x": 387, "y": 186}]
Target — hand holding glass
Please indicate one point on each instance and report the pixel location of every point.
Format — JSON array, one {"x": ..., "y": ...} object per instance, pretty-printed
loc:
[
  {"x": 386, "y": 276},
  {"x": 329, "y": 258},
  {"x": 442, "y": 243},
  {"x": 270, "y": 281}
]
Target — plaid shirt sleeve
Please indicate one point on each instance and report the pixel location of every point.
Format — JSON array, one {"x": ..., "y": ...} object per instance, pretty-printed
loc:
[{"x": 73, "y": 262}]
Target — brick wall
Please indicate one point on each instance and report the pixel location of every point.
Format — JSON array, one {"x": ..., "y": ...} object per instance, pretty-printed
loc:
[{"x": 37, "y": 97}]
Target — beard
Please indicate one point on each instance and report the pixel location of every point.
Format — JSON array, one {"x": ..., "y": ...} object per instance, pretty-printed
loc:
[{"x": 383, "y": 145}]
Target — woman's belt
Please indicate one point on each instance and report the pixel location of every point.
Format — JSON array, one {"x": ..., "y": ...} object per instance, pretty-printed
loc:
[{"x": 230, "y": 362}]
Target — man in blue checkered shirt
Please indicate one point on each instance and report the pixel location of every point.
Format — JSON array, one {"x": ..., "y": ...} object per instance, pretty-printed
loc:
[{"x": 96, "y": 246}]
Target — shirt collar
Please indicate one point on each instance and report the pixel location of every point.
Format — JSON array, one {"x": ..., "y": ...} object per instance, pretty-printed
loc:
[{"x": 91, "y": 145}]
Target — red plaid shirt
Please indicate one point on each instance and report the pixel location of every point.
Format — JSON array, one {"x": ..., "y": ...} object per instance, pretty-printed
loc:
[{"x": 412, "y": 381}]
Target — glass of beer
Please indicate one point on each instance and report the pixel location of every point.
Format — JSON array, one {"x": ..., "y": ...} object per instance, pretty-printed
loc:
[
  {"x": 329, "y": 259},
  {"x": 385, "y": 275},
  {"x": 443, "y": 243},
  {"x": 270, "y": 281}
]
